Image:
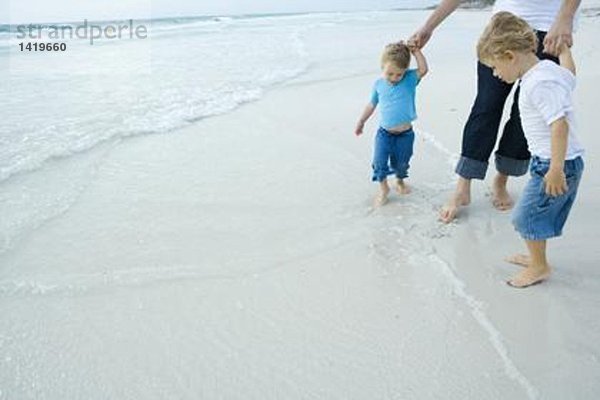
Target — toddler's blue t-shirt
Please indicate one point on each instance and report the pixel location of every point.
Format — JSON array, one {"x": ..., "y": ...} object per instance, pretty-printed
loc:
[{"x": 396, "y": 101}]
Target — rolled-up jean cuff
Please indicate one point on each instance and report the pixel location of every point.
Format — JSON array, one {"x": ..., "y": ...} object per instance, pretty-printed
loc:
[
  {"x": 469, "y": 168},
  {"x": 511, "y": 166}
]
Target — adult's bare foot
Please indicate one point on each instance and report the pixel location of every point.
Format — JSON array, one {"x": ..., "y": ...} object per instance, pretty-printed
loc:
[
  {"x": 450, "y": 210},
  {"x": 501, "y": 199},
  {"x": 529, "y": 276},
  {"x": 522, "y": 260},
  {"x": 461, "y": 197}
]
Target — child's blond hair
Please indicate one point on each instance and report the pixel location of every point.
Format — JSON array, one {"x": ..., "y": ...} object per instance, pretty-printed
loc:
[
  {"x": 505, "y": 32},
  {"x": 397, "y": 54}
]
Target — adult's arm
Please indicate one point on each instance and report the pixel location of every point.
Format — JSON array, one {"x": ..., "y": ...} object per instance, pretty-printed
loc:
[
  {"x": 561, "y": 31},
  {"x": 423, "y": 34}
]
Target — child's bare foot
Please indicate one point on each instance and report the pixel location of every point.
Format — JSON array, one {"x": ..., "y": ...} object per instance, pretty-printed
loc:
[
  {"x": 522, "y": 260},
  {"x": 382, "y": 196},
  {"x": 529, "y": 276},
  {"x": 380, "y": 200},
  {"x": 402, "y": 188},
  {"x": 500, "y": 197}
]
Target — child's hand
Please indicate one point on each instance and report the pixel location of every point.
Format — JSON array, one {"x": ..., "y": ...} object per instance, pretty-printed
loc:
[
  {"x": 564, "y": 49},
  {"x": 556, "y": 182},
  {"x": 359, "y": 129}
]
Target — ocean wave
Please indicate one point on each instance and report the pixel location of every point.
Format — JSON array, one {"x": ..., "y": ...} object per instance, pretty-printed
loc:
[
  {"x": 55, "y": 142},
  {"x": 185, "y": 25},
  {"x": 192, "y": 79}
]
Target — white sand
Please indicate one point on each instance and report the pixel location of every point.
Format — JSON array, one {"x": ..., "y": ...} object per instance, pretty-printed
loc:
[{"x": 239, "y": 259}]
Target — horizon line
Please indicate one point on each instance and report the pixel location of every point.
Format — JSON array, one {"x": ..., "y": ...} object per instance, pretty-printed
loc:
[{"x": 226, "y": 15}]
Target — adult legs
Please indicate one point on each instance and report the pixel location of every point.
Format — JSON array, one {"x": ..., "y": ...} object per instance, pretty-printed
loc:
[
  {"x": 479, "y": 138},
  {"x": 511, "y": 158}
]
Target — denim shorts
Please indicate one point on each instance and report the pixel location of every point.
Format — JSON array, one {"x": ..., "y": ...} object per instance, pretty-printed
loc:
[
  {"x": 539, "y": 216},
  {"x": 392, "y": 153}
]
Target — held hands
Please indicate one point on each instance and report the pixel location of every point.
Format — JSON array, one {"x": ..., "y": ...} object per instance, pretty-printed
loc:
[
  {"x": 556, "y": 182},
  {"x": 420, "y": 38},
  {"x": 559, "y": 35},
  {"x": 411, "y": 46}
]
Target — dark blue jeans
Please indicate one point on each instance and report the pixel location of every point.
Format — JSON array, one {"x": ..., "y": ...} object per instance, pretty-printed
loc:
[
  {"x": 392, "y": 154},
  {"x": 481, "y": 130}
]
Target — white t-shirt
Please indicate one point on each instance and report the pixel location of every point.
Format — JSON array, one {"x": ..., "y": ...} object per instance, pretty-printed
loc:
[
  {"x": 539, "y": 14},
  {"x": 546, "y": 96}
]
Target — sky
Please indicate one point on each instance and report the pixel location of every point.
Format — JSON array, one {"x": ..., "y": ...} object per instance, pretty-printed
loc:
[{"x": 29, "y": 11}]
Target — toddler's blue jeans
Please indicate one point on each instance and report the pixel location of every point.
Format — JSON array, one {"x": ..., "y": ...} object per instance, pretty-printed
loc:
[{"x": 392, "y": 154}]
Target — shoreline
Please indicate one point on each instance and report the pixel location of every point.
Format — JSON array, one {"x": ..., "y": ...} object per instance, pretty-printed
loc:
[{"x": 239, "y": 258}]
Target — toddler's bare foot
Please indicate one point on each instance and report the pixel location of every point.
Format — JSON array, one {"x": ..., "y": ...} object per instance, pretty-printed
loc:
[
  {"x": 382, "y": 196},
  {"x": 519, "y": 259},
  {"x": 500, "y": 197},
  {"x": 402, "y": 188},
  {"x": 529, "y": 276},
  {"x": 450, "y": 210}
]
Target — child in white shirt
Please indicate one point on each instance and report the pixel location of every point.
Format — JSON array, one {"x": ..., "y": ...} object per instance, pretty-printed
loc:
[{"x": 508, "y": 46}]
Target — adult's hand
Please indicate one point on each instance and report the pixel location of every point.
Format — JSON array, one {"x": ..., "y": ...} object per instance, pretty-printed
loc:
[
  {"x": 561, "y": 33},
  {"x": 420, "y": 38}
]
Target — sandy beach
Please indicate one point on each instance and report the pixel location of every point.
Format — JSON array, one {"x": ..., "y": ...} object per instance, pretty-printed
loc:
[{"x": 239, "y": 257}]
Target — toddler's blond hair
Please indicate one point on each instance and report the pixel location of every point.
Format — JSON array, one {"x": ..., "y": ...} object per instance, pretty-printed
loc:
[
  {"x": 396, "y": 53},
  {"x": 505, "y": 32}
]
